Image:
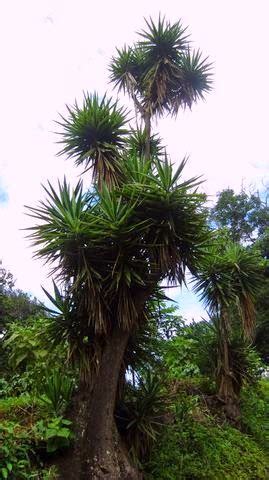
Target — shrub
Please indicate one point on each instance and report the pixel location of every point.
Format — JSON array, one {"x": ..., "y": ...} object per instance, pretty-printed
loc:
[
  {"x": 58, "y": 390},
  {"x": 255, "y": 412},
  {"x": 181, "y": 358},
  {"x": 140, "y": 415},
  {"x": 14, "y": 451},
  {"x": 55, "y": 433},
  {"x": 193, "y": 449}
]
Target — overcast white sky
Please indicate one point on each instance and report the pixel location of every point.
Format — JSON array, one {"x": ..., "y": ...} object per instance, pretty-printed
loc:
[{"x": 53, "y": 50}]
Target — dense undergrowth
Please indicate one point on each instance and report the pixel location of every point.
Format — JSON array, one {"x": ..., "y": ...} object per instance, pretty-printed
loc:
[
  {"x": 191, "y": 442},
  {"x": 197, "y": 445},
  {"x": 168, "y": 414},
  {"x": 31, "y": 434}
]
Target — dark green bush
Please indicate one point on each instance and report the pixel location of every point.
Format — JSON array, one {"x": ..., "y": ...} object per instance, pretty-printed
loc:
[
  {"x": 194, "y": 447},
  {"x": 15, "y": 447},
  {"x": 55, "y": 433},
  {"x": 255, "y": 412},
  {"x": 58, "y": 391}
]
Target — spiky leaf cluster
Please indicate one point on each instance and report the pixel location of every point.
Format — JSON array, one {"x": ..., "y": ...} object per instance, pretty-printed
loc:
[
  {"x": 229, "y": 278},
  {"x": 94, "y": 135},
  {"x": 160, "y": 72},
  {"x": 137, "y": 141},
  {"x": 117, "y": 245}
]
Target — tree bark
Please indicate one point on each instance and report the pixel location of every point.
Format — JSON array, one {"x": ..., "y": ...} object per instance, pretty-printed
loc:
[
  {"x": 101, "y": 444},
  {"x": 226, "y": 391},
  {"x": 98, "y": 452}
]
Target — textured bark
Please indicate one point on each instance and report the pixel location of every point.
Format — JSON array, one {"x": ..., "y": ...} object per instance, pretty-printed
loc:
[
  {"x": 226, "y": 387},
  {"x": 98, "y": 452},
  {"x": 101, "y": 444},
  {"x": 228, "y": 391}
]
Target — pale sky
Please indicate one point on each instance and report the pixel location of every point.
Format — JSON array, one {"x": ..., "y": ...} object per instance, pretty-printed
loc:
[{"x": 53, "y": 50}]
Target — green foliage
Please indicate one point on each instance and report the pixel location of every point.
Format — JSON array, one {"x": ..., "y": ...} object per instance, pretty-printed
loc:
[
  {"x": 261, "y": 339},
  {"x": 14, "y": 452},
  {"x": 50, "y": 473},
  {"x": 255, "y": 413},
  {"x": 24, "y": 344},
  {"x": 4, "y": 388},
  {"x": 15, "y": 305},
  {"x": 14, "y": 408},
  {"x": 140, "y": 415},
  {"x": 243, "y": 215},
  {"x": 159, "y": 72},
  {"x": 195, "y": 352},
  {"x": 57, "y": 391},
  {"x": 114, "y": 245},
  {"x": 30, "y": 355},
  {"x": 245, "y": 218},
  {"x": 137, "y": 141},
  {"x": 230, "y": 276},
  {"x": 55, "y": 433},
  {"x": 194, "y": 447},
  {"x": 181, "y": 358},
  {"x": 18, "y": 443},
  {"x": 146, "y": 344},
  {"x": 94, "y": 135},
  {"x": 27, "y": 430}
]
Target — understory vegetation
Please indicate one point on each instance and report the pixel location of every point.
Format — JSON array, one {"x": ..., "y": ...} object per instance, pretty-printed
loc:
[
  {"x": 168, "y": 414},
  {"x": 110, "y": 382}
]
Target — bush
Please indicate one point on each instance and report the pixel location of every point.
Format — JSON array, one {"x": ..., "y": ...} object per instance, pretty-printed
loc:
[
  {"x": 255, "y": 412},
  {"x": 181, "y": 358},
  {"x": 29, "y": 433},
  {"x": 197, "y": 448},
  {"x": 58, "y": 391},
  {"x": 140, "y": 415},
  {"x": 14, "y": 451},
  {"x": 55, "y": 433}
]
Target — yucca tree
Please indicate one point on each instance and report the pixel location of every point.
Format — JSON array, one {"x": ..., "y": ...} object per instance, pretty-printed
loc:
[
  {"x": 160, "y": 72},
  {"x": 227, "y": 282},
  {"x": 113, "y": 248},
  {"x": 110, "y": 247}
]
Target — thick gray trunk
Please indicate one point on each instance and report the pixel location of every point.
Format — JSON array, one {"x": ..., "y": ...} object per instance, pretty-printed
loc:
[{"x": 98, "y": 452}]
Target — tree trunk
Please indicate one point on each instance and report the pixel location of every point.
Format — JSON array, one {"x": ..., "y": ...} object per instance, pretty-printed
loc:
[
  {"x": 226, "y": 391},
  {"x": 101, "y": 445},
  {"x": 98, "y": 451}
]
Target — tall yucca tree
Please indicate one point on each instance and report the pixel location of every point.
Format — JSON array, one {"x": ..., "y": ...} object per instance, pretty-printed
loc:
[
  {"x": 160, "y": 72},
  {"x": 140, "y": 224},
  {"x": 227, "y": 282},
  {"x": 112, "y": 248}
]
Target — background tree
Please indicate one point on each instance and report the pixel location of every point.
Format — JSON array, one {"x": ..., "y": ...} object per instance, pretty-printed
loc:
[
  {"x": 15, "y": 306},
  {"x": 227, "y": 282},
  {"x": 245, "y": 218},
  {"x": 14, "y": 303}
]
